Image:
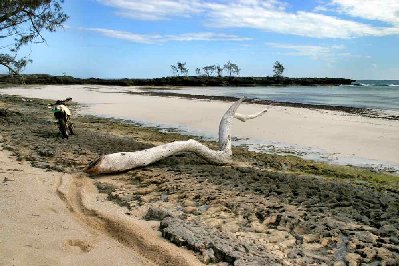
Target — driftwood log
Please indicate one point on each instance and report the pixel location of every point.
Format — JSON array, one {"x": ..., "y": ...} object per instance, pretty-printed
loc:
[{"x": 124, "y": 161}]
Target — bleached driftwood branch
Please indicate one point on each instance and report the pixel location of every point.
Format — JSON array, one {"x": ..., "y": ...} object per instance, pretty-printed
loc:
[
  {"x": 244, "y": 118},
  {"x": 123, "y": 161}
]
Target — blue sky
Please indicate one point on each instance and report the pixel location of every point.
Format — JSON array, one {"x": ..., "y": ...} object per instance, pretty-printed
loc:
[{"x": 141, "y": 38}]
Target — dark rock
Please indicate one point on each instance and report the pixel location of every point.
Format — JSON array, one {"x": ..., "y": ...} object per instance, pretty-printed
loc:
[
  {"x": 156, "y": 214},
  {"x": 42, "y": 165},
  {"x": 46, "y": 152}
]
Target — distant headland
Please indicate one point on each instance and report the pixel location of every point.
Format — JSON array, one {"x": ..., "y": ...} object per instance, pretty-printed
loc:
[{"x": 176, "y": 81}]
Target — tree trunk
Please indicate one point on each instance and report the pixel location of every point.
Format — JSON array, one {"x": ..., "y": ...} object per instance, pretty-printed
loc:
[{"x": 124, "y": 161}]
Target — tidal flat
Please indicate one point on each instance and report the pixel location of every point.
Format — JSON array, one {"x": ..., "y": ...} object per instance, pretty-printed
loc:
[{"x": 264, "y": 208}]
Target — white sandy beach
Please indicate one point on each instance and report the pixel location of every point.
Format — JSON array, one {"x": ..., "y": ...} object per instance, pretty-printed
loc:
[
  {"x": 40, "y": 225},
  {"x": 341, "y": 137},
  {"x": 36, "y": 227}
]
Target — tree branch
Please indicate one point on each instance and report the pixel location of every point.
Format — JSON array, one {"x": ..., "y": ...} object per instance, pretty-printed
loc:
[
  {"x": 22, "y": 22},
  {"x": 124, "y": 161},
  {"x": 244, "y": 118}
]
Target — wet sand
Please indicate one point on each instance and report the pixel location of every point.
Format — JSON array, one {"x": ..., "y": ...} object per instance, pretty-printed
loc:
[{"x": 264, "y": 209}]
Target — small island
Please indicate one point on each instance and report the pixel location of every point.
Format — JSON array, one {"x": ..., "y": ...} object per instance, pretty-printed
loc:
[{"x": 176, "y": 81}]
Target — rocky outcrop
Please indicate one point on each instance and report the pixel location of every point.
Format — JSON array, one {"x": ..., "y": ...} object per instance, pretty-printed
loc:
[{"x": 214, "y": 246}]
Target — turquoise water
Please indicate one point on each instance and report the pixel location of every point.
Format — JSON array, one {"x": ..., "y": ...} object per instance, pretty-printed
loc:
[{"x": 382, "y": 94}]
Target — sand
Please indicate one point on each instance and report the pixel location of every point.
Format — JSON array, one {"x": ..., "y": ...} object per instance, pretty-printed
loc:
[
  {"x": 38, "y": 227},
  {"x": 342, "y": 137},
  {"x": 333, "y": 132},
  {"x": 264, "y": 207}
]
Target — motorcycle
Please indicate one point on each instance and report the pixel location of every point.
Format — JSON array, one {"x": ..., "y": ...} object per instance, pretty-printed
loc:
[{"x": 63, "y": 116}]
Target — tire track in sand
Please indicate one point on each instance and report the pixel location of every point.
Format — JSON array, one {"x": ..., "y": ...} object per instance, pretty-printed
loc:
[{"x": 104, "y": 217}]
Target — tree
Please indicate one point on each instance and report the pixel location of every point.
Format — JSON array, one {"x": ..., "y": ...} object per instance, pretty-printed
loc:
[
  {"x": 198, "y": 71},
  {"x": 208, "y": 70},
  {"x": 179, "y": 69},
  {"x": 175, "y": 70},
  {"x": 232, "y": 68},
  {"x": 278, "y": 69},
  {"x": 182, "y": 68},
  {"x": 22, "y": 22},
  {"x": 219, "y": 70},
  {"x": 237, "y": 71}
]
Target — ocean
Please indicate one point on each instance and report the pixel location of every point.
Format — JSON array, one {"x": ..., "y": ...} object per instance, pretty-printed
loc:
[{"x": 374, "y": 94}]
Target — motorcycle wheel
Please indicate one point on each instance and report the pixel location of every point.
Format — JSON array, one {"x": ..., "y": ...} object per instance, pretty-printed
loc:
[{"x": 63, "y": 128}]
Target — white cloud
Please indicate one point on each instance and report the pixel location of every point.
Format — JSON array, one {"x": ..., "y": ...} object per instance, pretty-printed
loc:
[
  {"x": 381, "y": 10},
  {"x": 128, "y": 36},
  {"x": 158, "y": 38},
  {"x": 271, "y": 15},
  {"x": 154, "y": 9},
  {"x": 314, "y": 51},
  {"x": 204, "y": 36},
  {"x": 268, "y": 18}
]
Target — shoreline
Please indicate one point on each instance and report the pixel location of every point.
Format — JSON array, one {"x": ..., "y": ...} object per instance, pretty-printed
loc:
[
  {"x": 162, "y": 91},
  {"x": 283, "y": 209},
  {"x": 325, "y": 135},
  {"x": 367, "y": 112}
]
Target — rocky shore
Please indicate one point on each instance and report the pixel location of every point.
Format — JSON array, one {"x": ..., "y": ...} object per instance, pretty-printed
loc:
[{"x": 263, "y": 210}]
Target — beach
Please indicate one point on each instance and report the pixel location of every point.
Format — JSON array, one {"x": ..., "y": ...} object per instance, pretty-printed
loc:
[
  {"x": 55, "y": 218},
  {"x": 38, "y": 229},
  {"x": 185, "y": 133},
  {"x": 264, "y": 208},
  {"x": 328, "y": 135}
]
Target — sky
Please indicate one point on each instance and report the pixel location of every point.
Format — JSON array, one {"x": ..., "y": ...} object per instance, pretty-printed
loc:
[{"x": 356, "y": 39}]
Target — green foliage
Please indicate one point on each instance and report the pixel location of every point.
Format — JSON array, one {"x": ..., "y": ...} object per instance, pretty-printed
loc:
[
  {"x": 209, "y": 70},
  {"x": 174, "y": 69},
  {"x": 21, "y": 23},
  {"x": 182, "y": 81},
  {"x": 179, "y": 69},
  {"x": 182, "y": 68},
  {"x": 278, "y": 69}
]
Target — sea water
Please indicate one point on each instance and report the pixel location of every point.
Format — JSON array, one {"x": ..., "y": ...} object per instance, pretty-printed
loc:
[{"x": 373, "y": 94}]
